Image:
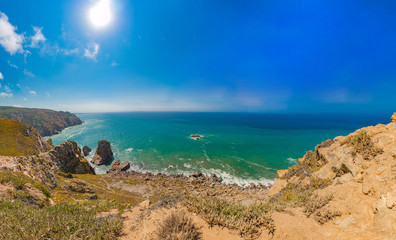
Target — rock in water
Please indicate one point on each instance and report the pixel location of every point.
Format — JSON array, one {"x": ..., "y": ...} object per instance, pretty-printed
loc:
[
  {"x": 103, "y": 153},
  {"x": 393, "y": 118},
  {"x": 86, "y": 150},
  {"x": 118, "y": 166}
]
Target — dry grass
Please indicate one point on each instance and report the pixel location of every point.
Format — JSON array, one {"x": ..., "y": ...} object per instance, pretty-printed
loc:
[
  {"x": 325, "y": 215},
  {"x": 311, "y": 163},
  {"x": 362, "y": 144},
  {"x": 343, "y": 169},
  {"x": 315, "y": 203},
  {"x": 61, "y": 222},
  {"x": 19, "y": 181},
  {"x": 177, "y": 226},
  {"x": 14, "y": 140},
  {"x": 246, "y": 219}
]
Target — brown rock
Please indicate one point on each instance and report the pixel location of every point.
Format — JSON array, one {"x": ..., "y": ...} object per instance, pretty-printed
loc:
[
  {"x": 80, "y": 187},
  {"x": 281, "y": 173},
  {"x": 86, "y": 150},
  {"x": 103, "y": 153},
  {"x": 118, "y": 166},
  {"x": 393, "y": 118},
  {"x": 69, "y": 158}
]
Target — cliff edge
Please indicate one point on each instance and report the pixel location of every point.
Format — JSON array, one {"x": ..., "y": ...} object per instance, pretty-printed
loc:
[{"x": 47, "y": 122}]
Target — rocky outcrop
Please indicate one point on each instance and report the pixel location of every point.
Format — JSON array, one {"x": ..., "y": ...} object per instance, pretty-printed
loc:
[
  {"x": 118, "y": 166},
  {"x": 65, "y": 157},
  {"x": 69, "y": 158},
  {"x": 393, "y": 118},
  {"x": 103, "y": 153},
  {"x": 47, "y": 122},
  {"x": 357, "y": 173},
  {"x": 86, "y": 150}
]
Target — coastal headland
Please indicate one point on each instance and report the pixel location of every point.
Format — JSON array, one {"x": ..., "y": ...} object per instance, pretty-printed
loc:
[{"x": 344, "y": 189}]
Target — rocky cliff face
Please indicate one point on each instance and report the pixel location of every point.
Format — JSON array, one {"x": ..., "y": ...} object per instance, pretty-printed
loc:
[
  {"x": 47, "y": 122},
  {"x": 22, "y": 149},
  {"x": 65, "y": 157},
  {"x": 353, "y": 179},
  {"x": 68, "y": 158},
  {"x": 103, "y": 153}
]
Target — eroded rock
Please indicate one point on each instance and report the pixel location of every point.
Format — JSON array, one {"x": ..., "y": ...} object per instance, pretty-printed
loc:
[
  {"x": 86, "y": 150},
  {"x": 118, "y": 166},
  {"x": 103, "y": 153}
]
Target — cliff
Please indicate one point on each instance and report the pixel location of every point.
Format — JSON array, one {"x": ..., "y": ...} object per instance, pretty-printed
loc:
[
  {"x": 47, "y": 122},
  {"x": 19, "y": 139}
]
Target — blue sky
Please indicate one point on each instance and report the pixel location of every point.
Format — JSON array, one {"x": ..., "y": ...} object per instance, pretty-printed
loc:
[{"x": 177, "y": 55}]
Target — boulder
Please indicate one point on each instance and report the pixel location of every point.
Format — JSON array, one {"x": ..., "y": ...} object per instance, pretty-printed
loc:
[
  {"x": 196, "y": 174},
  {"x": 118, "y": 166},
  {"x": 103, "y": 153},
  {"x": 393, "y": 118},
  {"x": 86, "y": 150}
]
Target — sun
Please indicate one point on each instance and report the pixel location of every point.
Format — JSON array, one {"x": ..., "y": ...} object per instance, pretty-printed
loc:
[{"x": 100, "y": 15}]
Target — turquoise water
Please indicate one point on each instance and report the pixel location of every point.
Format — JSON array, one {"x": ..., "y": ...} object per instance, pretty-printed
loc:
[{"x": 242, "y": 148}]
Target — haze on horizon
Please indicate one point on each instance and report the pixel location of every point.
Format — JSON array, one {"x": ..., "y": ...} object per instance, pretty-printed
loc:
[{"x": 233, "y": 56}]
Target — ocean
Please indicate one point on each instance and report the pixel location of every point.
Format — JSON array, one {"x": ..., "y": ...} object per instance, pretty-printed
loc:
[{"x": 242, "y": 148}]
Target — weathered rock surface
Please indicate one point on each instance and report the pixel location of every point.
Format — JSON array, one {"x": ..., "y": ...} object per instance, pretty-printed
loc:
[
  {"x": 86, "y": 150},
  {"x": 363, "y": 189},
  {"x": 69, "y": 158},
  {"x": 103, "y": 153},
  {"x": 65, "y": 157},
  {"x": 393, "y": 118},
  {"x": 118, "y": 166}
]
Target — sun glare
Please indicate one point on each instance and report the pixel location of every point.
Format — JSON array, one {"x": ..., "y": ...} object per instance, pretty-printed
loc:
[{"x": 100, "y": 14}]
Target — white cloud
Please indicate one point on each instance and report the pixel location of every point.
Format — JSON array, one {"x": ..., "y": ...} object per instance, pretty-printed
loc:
[
  {"x": 4, "y": 95},
  {"x": 114, "y": 64},
  {"x": 9, "y": 39},
  {"x": 28, "y": 74},
  {"x": 1, "y": 76},
  {"x": 12, "y": 65},
  {"x": 24, "y": 99},
  {"x": 37, "y": 37},
  {"x": 7, "y": 89},
  {"x": 33, "y": 93},
  {"x": 69, "y": 51},
  {"x": 91, "y": 51}
]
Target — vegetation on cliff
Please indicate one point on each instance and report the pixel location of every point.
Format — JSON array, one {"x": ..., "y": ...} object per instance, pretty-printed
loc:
[
  {"x": 19, "y": 139},
  {"x": 47, "y": 122}
]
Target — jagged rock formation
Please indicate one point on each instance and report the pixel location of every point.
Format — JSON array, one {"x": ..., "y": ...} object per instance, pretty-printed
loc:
[
  {"x": 118, "y": 166},
  {"x": 393, "y": 117},
  {"x": 86, "y": 150},
  {"x": 19, "y": 139},
  {"x": 357, "y": 176},
  {"x": 69, "y": 158},
  {"x": 65, "y": 157},
  {"x": 47, "y": 122},
  {"x": 103, "y": 153}
]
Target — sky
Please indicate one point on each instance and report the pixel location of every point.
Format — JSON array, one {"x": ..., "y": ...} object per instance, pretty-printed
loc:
[{"x": 208, "y": 55}]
